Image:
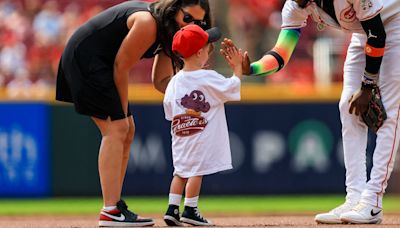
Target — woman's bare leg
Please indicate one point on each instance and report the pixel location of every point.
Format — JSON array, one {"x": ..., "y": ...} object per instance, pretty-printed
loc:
[
  {"x": 114, "y": 134},
  {"x": 127, "y": 148}
]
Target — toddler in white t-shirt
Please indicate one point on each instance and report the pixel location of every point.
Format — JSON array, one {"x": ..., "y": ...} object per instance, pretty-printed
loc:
[{"x": 194, "y": 103}]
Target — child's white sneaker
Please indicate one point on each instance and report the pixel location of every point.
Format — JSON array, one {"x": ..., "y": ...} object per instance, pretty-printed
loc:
[
  {"x": 363, "y": 213},
  {"x": 333, "y": 216}
]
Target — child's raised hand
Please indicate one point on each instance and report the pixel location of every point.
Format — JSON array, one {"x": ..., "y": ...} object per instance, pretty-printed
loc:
[
  {"x": 227, "y": 44},
  {"x": 234, "y": 57}
]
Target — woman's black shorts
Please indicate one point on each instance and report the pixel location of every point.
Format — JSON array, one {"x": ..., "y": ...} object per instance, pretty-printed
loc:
[{"x": 86, "y": 79}]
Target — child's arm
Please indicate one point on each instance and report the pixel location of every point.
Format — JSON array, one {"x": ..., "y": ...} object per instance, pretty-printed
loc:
[{"x": 234, "y": 58}]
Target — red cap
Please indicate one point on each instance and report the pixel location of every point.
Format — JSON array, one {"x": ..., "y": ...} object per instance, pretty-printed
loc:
[{"x": 191, "y": 38}]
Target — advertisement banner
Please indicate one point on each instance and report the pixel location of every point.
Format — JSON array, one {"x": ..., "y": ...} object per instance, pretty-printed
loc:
[
  {"x": 276, "y": 149},
  {"x": 24, "y": 154}
]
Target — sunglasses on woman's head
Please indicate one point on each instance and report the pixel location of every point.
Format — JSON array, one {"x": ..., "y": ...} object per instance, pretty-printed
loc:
[
  {"x": 302, "y": 3},
  {"x": 188, "y": 18}
]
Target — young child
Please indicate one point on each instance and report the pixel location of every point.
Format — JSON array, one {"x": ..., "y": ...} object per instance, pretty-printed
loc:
[{"x": 194, "y": 102}]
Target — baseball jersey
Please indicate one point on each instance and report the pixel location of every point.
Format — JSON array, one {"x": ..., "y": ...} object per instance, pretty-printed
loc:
[
  {"x": 348, "y": 12},
  {"x": 194, "y": 103}
]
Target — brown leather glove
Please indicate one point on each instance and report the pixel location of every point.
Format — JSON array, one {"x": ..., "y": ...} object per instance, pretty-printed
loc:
[{"x": 375, "y": 115}]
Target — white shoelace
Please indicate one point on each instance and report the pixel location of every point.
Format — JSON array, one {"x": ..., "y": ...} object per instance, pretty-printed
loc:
[{"x": 197, "y": 212}]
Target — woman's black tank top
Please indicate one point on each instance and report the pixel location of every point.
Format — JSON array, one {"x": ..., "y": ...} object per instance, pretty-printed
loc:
[{"x": 103, "y": 34}]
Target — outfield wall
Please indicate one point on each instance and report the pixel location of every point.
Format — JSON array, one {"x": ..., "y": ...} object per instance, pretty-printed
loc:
[
  {"x": 285, "y": 140},
  {"x": 47, "y": 149}
]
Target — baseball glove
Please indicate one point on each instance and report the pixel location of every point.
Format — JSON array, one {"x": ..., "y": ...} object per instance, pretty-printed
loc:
[{"x": 375, "y": 114}]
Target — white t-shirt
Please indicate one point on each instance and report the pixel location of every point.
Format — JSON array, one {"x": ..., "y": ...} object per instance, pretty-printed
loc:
[
  {"x": 348, "y": 12},
  {"x": 194, "y": 102}
]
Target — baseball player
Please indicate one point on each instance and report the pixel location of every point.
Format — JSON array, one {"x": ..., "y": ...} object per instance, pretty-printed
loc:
[
  {"x": 371, "y": 64},
  {"x": 194, "y": 103}
]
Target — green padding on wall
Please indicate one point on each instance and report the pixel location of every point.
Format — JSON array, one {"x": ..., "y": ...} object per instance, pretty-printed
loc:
[{"x": 74, "y": 147}]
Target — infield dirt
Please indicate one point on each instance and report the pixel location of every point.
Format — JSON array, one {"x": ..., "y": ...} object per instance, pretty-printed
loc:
[{"x": 90, "y": 221}]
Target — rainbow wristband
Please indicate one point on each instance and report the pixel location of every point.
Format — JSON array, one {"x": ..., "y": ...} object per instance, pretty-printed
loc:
[{"x": 275, "y": 60}]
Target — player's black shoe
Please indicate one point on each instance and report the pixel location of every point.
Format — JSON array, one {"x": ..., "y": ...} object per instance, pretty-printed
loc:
[
  {"x": 192, "y": 216},
  {"x": 172, "y": 217},
  {"x": 121, "y": 216}
]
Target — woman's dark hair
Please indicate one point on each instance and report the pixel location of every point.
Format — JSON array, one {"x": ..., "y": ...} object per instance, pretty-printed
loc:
[{"x": 164, "y": 12}]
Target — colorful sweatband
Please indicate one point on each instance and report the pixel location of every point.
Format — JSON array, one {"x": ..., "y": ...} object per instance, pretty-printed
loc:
[
  {"x": 274, "y": 60},
  {"x": 373, "y": 51}
]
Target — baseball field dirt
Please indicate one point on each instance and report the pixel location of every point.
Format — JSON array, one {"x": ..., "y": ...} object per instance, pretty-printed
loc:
[{"x": 221, "y": 220}]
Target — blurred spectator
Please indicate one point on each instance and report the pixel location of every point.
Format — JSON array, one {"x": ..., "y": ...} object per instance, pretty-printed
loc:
[
  {"x": 32, "y": 36},
  {"x": 32, "y": 8},
  {"x": 20, "y": 86},
  {"x": 6, "y": 9},
  {"x": 71, "y": 20},
  {"x": 48, "y": 23},
  {"x": 12, "y": 54},
  {"x": 15, "y": 21},
  {"x": 43, "y": 59}
]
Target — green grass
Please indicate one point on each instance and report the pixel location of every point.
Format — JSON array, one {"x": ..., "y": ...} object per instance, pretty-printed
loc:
[{"x": 211, "y": 204}]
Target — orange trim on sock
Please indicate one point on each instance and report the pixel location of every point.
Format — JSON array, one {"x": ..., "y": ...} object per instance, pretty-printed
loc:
[{"x": 373, "y": 51}]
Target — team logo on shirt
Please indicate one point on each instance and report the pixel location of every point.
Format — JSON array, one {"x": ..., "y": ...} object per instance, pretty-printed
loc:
[
  {"x": 191, "y": 122},
  {"x": 366, "y": 4},
  {"x": 348, "y": 15}
]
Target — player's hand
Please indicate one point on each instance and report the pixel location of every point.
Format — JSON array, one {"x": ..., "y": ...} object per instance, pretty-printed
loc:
[
  {"x": 228, "y": 43},
  {"x": 359, "y": 101},
  {"x": 246, "y": 64}
]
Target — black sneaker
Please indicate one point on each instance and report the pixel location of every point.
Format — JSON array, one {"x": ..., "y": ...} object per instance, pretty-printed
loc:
[
  {"x": 171, "y": 217},
  {"x": 192, "y": 216},
  {"x": 121, "y": 216}
]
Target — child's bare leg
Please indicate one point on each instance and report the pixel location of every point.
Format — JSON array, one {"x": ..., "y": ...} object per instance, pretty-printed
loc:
[
  {"x": 176, "y": 190},
  {"x": 193, "y": 187}
]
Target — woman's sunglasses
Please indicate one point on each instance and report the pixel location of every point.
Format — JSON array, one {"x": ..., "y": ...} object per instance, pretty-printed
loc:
[
  {"x": 302, "y": 3},
  {"x": 188, "y": 18}
]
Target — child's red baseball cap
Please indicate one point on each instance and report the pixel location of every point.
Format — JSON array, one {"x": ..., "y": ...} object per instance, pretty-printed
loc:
[{"x": 191, "y": 38}]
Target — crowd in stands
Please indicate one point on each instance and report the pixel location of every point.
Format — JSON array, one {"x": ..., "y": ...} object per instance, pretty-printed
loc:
[{"x": 33, "y": 34}]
